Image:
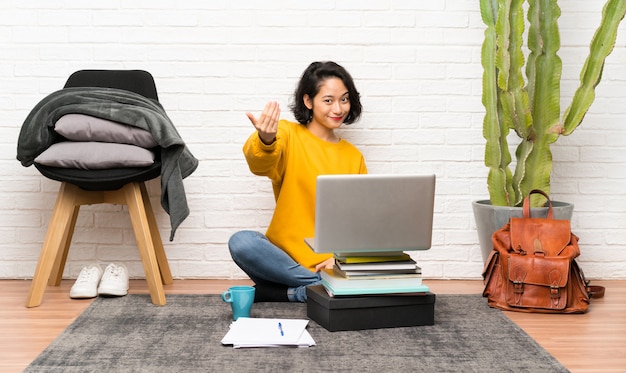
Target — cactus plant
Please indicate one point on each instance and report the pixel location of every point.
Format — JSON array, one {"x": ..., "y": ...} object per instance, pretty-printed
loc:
[{"x": 531, "y": 107}]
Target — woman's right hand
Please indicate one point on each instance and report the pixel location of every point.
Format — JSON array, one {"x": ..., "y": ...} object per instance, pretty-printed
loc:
[
  {"x": 267, "y": 124},
  {"x": 326, "y": 264}
]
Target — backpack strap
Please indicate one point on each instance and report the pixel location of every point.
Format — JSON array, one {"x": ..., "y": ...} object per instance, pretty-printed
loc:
[{"x": 595, "y": 291}]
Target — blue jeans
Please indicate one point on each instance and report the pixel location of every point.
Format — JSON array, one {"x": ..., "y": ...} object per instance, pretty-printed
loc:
[{"x": 261, "y": 260}]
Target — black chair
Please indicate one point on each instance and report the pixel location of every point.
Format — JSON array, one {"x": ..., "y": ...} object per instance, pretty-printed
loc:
[{"x": 116, "y": 186}]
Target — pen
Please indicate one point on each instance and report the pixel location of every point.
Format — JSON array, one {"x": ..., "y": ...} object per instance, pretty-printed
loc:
[{"x": 280, "y": 327}]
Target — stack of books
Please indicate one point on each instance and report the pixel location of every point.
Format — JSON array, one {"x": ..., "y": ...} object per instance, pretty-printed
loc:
[{"x": 373, "y": 273}]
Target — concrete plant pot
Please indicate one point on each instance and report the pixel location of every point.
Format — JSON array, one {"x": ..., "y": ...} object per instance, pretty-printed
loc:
[{"x": 491, "y": 218}]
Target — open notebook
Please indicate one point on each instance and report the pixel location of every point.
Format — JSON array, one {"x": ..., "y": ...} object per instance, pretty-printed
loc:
[{"x": 263, "y": 332}]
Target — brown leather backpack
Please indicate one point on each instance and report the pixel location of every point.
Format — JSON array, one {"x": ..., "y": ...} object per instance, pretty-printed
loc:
[{"x": 532, "y": 267}]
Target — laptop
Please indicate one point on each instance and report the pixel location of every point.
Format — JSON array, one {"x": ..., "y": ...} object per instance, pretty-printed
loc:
[{"x": 373, "y": 213}]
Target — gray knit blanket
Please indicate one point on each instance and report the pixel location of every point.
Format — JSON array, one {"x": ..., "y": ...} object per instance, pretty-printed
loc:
[{"x": 121, "y": 106}]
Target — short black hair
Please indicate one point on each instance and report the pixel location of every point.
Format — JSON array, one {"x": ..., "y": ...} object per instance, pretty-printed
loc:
[{"x": 310, "y": 83}]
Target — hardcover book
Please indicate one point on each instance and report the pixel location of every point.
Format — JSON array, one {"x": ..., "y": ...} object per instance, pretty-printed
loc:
[
  {"x": 378, "y": 266},
  {"x": 397, "y": 256},
  {"x": 338, "y": 285}
]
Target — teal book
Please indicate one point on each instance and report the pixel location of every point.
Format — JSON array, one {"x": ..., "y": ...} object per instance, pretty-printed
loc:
[{"x": 338, "y": 285}]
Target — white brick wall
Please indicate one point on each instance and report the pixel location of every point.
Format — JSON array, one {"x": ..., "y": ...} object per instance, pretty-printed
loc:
[{"x": 416, "y": 63}]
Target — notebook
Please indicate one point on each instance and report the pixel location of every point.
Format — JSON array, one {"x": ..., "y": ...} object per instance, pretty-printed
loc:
[
  {"x": 263, "y": 332},
  {"x": 373, "y": 213}
]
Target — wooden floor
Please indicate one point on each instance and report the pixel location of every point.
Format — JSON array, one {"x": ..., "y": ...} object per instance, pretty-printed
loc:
[{"x": 593, "y": 342}]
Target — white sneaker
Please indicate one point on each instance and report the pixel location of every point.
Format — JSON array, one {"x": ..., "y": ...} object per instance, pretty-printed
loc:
[
  {"x": 86, "y": 285},
  {"x": 114, "y": 280}
]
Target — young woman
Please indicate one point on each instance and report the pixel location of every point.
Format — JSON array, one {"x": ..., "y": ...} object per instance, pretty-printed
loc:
[{"x": 292, "y": 155}]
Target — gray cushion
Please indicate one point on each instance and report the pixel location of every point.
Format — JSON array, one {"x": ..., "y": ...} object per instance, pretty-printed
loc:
[
  {"x": 80, "y": 127},
  {"x": 95, "y": 155}
]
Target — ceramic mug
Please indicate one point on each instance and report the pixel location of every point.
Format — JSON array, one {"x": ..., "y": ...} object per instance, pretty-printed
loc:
[{"x": 240, "y": 299}]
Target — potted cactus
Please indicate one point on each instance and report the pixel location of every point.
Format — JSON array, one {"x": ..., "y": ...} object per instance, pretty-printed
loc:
[{"x": 528, "y": 103}]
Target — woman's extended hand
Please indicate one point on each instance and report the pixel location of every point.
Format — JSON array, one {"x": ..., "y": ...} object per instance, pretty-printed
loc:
[
  {"x": 326, "y": 264},
  {"x": 267, "y": 124}
]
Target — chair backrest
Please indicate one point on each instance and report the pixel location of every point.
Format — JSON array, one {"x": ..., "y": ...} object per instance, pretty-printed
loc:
[{"x": 138, "y": 81}]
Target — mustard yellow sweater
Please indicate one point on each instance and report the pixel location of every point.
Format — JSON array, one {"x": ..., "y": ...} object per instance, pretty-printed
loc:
[{"x": 293, "y": 163}]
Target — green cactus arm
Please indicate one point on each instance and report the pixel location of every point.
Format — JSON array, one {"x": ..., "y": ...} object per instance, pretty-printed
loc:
[
  {"x": 497, "y": 156},
  {"x": 544, "y": 78},
  {"x": 519, "y": 111},
  {"x": 538, "y": 168},
  {"x": 509, "y": 63},
  {"x": 523, "y": 151},
  {"x": 489, "y": 11},
  {"x": 544, "y": 43},
  {"x": 601, "y": 46},
  {"x": 503, "y": 33}
]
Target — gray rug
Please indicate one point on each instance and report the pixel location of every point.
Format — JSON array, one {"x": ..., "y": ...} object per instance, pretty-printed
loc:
[{"x": 129, "y": 334}]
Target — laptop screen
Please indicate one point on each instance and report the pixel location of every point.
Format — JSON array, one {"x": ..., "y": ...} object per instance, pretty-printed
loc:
[{"x": 373, "y": 213}]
